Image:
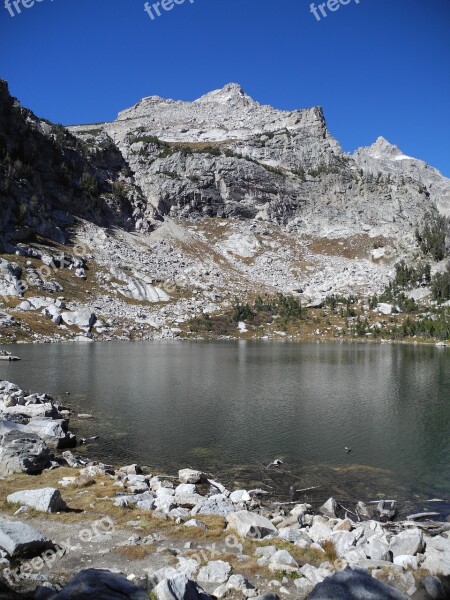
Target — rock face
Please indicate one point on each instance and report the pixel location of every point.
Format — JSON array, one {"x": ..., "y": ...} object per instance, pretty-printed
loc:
[
  {"x": 225, "y": 155},
  {"x": 43, "y": 500},
  {"x": 47, "y": 176},
  {"x": 389, "y": 159}
]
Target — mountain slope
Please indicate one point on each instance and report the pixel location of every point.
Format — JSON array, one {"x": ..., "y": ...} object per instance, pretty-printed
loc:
[
  {"x": 178, "y": 208},
  {"x": 47, "y": 176}
]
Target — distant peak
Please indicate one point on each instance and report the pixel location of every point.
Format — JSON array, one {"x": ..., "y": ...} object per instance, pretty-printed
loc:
[
  {"x": 232, "y": 93},
  {"x": 383, "y": 148}
]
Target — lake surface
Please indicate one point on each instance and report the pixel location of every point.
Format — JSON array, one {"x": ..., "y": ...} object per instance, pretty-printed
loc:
[{"x": 232, "y": 407}]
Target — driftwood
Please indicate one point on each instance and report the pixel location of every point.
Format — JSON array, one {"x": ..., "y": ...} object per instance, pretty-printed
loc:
[
  {"x": 259, "y": 492},
  {"x": 347, "y": 510},
  {"x": 309, "y": 489},
  {"x": 424, "y": 515},
  {"x": 218, "y": 486}
]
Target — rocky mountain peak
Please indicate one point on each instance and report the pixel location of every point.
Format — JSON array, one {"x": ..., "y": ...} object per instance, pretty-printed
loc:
[
  {"x": 382, "y": 148},
  {"x": 231, "y": 94}
]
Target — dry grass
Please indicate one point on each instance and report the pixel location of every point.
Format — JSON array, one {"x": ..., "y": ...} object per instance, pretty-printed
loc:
[
  {"x": 353, "y": 247},
  {"x": 94, "y": 502},
  {"x": 135, "y": 552}
]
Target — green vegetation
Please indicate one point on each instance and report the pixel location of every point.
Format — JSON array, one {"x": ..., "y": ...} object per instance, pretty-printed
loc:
[
  {"x": 440, "y": 285},
  {"x": 89, "y": 184},
  {"x": 286, "y": 309},
  {"x": 432, "y": 237}
]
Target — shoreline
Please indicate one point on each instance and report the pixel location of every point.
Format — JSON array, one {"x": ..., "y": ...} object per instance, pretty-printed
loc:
[
  {"x": 297, "y": 340},
  {"x": 297, "y": 546}
]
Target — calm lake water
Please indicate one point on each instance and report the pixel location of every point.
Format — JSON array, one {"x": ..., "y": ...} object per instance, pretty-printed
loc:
[{"x": 230, "y": 408}]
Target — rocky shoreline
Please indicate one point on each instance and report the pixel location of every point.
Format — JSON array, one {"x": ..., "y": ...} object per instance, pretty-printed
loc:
[{"x": 187, "y": 536}]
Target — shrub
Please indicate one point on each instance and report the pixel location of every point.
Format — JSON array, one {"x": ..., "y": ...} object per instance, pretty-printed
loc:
[{"x": 89, "y": 183}]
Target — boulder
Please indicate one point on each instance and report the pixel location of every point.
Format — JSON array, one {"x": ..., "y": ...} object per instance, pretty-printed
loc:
[
  {"x": 165, "y": 504},
  {"x": 343, "y": 541},
  {"x": 437, "y": 556},
  {"x": 239, "y": 496},
  {"x": 44, "y": 500},
  {"x": 236, "y": 583},
  {"x": 385, "y": 309},
  {"x": 190, "y": 476},
  {"x": 291, "y": 534},
  {"x": 196, "y": 523},
  {"x": 216, "y": 571},
  {"x": 434, "y": 588},
  {"x": 185, "y": 489},
  {"x": 354, "y": 584},
  {"x": 329, "y": 509},
  {"x": 300, "y": 510},
  {"x": 406, "y": 561},
  {"x": 214, "y": 505},
  {"x": 408, "y": 542},
  {"x": 188, "y": 566},
  {"x": 377, "y": 550},
  {"x": 281, "y": 559},
  {"x": 21, "y": 540},
  {"x": 20, "y": 453},
  {"x": 189, "y": 500},
  {"x": 320, "y": 530},
  {"x": 179, "y": 587},
  {"x": 101, "y": 585},
  {"x": 313, "y": 574},
  {"x": 251, "y": 525},
  {"x": 83, "y": 319}
]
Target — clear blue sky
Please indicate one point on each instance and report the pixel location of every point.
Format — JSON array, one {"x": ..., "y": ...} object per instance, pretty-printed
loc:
[{"x": 380, "y": 67}]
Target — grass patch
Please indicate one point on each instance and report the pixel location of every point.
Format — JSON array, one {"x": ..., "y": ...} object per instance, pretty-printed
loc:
[{"x": 135, "y": 552}]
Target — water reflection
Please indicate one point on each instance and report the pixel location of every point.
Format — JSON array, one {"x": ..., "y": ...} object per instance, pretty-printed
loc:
[{"x": 230, "y": 407}]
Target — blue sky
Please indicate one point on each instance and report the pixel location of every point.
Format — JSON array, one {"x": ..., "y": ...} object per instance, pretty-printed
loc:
[{"x": 380, "y": 67}]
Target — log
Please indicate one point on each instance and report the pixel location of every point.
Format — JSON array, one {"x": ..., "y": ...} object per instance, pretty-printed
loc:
[
  {"x": 222, "y": 489},
  {"x": 424, "y": 515},
  {"x": 309, "y": 489}
]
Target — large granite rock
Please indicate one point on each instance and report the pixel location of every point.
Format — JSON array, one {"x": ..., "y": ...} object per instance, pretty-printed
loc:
[
  {"x": 408, "y": 543},
  {"x": 437, "y": 556},
  {"x": 98, "y": 584},
  {"x": 354, "y": 584},
  {"x": 216, "y": 571},
  {"x": 179, "y": 587},
  {"x": 214, "y": 505},
  {"x": 22, "y": 453},
  {"x": 21, "y": 540},
  {"x": 43, "y": 500},
  {"x": 250, "y": 525}
]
